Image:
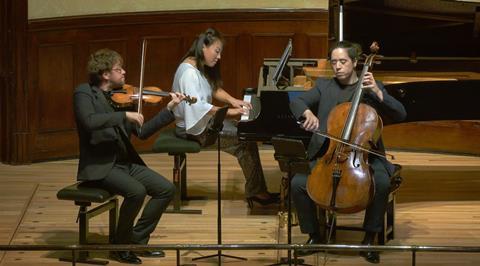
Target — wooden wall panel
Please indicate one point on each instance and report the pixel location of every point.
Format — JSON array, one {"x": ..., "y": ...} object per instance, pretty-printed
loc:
[
  {"x": 55, "y": 126},
  {"x": 316, "y": 45},
  {"x": 15, "y": 126},
  {"x": 160, "y": 66},
  {"x": 59, "y": 49},
  {"x": 55, "y": 80},
  {"x": 55, "y": 145},
  {"x": 229, "y": 72}
]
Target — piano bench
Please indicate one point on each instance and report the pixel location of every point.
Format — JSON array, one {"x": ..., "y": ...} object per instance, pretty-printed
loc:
[
  {"x": 388, "y": 230},
  {"x": 83, "y": 196},
  {"x": 168, "y": 142}
]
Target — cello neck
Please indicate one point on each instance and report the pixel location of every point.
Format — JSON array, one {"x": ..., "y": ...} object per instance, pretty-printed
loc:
[{"x": 347, "y": 130}]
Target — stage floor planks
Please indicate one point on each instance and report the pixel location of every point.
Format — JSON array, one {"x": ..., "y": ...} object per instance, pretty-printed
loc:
[{"x": 438, "y": 204}]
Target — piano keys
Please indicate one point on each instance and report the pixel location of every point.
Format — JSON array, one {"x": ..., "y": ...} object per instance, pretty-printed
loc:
[{"x": 251, "y": 97}]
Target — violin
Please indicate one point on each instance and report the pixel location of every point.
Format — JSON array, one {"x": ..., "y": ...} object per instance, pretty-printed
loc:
[{"x": 129, "y": 95}]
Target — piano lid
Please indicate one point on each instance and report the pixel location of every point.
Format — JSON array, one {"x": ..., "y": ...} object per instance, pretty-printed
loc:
[
  {"x": 395, "y": 77},
  {"x": 438, "y": 100}
]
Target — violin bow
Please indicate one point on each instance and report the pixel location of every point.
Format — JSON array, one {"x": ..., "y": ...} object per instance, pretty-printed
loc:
[
  {"x": 142, "y": 67},
  {"x": 140, "y": 87}
]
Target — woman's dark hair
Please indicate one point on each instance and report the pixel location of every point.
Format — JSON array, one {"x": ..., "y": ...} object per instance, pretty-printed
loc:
[
  {"x": 354, "y": 50},
  {"x": 206, "y": 38},
  {"x": 100, "y": 62}
]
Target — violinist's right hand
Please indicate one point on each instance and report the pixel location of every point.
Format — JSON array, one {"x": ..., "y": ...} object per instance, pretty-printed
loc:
[
  {"x": 134, "y": 117},
  {"x": 311, "y": 121}
]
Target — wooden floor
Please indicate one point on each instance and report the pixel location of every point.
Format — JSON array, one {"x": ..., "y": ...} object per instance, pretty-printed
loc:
[{"x": 438, "y": 204}]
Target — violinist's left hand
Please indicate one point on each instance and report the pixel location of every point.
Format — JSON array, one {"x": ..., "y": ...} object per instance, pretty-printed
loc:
[
  {"x": 369, "y": 83},
  {"x": 176, "y": 99}
]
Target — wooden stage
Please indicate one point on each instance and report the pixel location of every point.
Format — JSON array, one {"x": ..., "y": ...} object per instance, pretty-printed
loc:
[{"x": 438, "y": 204}]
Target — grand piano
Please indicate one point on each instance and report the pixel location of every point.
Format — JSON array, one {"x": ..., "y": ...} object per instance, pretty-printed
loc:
[
  {"x": 442, "y": 107},
  {"x": 274, "y": 119},
  {"x": 271, "y": 115},
  {"x": 433, "y": 69}
]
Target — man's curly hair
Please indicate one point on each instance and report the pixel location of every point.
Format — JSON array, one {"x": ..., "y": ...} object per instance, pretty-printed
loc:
[{"x": 100, "y": 62}]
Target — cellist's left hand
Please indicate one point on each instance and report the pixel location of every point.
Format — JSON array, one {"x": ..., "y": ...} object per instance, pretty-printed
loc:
[{"x": 369, "y": 83}]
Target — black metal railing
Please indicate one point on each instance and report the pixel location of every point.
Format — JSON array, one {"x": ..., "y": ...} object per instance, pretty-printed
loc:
[{"x": 178, "y": 247}]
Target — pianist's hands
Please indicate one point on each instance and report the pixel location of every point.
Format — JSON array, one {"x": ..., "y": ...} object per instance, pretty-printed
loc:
[
  {"x": 236, "y": 103},
  {"x": 311, "y": 121},
  {"x": 236, "y": 113}
]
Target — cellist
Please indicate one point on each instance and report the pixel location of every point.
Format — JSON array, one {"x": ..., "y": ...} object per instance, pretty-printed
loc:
[{"x": 314, "y": 107}]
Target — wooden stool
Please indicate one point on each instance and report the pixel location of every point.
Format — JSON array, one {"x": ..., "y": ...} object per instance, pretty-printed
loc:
[
  {"x": 168, "y": 142},
  {"x": 388, "y": 228},
  {"x": 83, "y": 196}
]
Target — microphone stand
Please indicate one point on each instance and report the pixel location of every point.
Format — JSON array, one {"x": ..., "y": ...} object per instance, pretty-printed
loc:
[{"x": 219, "y": 212}]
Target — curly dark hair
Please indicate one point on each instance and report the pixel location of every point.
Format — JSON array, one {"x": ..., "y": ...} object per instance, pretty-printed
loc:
[
  {"x": 206, "y": 38},
  {"x": 100, "y": 62}
]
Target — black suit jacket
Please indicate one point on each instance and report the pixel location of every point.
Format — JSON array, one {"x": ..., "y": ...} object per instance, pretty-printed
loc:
[
  {"x": 100, "y": 128},
  {"x": 326, "y": 94}
]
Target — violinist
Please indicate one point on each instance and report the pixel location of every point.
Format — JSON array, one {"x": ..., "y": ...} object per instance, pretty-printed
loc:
[
  {"x": 198, "y": 75},
  {"x": 108, "y": 160},
  {"x": 314, "y": 107}
]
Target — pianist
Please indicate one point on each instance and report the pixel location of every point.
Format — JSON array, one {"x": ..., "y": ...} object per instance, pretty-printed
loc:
[
  {"x": 325, "y": 95},
  {"x": 198, "y": 75}
]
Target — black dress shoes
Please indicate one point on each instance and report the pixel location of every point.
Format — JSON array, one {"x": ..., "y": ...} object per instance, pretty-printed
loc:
[
  {"x": 370, "y": 256},
  {"x": 151, "y": 253},
  {"x": 125, "y": 257},
  {"x": 310, "y": 241}
]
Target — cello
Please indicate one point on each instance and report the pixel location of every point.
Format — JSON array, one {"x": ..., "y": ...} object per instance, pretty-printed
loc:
[{"x": 341, "y": 181}]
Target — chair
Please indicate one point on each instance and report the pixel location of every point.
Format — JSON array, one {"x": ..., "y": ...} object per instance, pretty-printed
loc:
[
  {"x": 168, "y": 142},
  {"x": 84, "y": 196},
  {"x": 388, "y": 231}
]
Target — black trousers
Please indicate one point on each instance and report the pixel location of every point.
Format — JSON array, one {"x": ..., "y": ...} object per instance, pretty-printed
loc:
[
  {"x": 134, "y": 182},
  {"x": 307, "y": 209}
]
